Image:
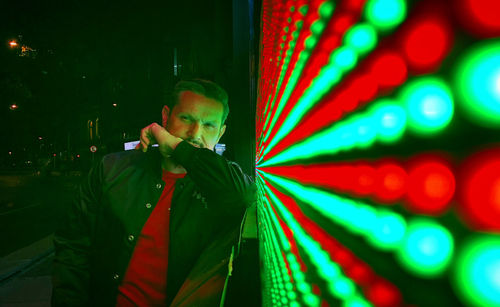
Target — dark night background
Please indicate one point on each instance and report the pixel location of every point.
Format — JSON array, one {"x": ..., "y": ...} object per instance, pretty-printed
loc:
[
  {"x": 109, "y": 63},
  {"x": 83, "y": 57}
]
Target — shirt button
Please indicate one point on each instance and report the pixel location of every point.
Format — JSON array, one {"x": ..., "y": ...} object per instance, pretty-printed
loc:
[
  {"x": 148, "y": 205},
  {"x": 158, "y": 185},
  {"x": 116, "y": 276},
  {"x": 131, "y": 238}
]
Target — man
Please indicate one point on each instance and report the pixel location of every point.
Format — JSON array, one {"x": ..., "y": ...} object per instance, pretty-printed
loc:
[{"x": 153, "y": 227}]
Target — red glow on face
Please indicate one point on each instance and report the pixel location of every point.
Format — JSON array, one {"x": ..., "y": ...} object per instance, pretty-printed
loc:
[
  {"x": 389, "y": 69},
  {"x": 481, "y": 16},
  {"x": 383, "y": 294},
  {"x": 427, "y": 43},
  {"x": 391, "y": 182},
  {"x": 430, "y": 188},
  {"x": 480, "y": 201}
]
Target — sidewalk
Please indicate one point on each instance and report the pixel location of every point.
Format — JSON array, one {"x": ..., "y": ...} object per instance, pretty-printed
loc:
[{"x": 25, "y": 275}]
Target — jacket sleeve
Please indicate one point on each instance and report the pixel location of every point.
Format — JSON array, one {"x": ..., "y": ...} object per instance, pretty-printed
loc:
[
  {"x": 221, "y": 180},
  {"x": 71, "y": 268}
]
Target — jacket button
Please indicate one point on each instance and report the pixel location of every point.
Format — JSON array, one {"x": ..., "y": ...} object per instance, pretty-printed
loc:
[
  {"x": 131, "y": 238},
  {"x": 116, "y": 276},
  {"x": 158, "y": 185},
  {"x": 148, "y": 205}
]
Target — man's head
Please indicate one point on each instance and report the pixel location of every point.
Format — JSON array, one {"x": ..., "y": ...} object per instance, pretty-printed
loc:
[{"x": 197, "y": 112}]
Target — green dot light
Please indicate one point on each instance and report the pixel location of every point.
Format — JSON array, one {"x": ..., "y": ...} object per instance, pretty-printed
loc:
[
  {"x": 344, "y": 58},
  {"x": 478, "y": 84},
  {"x": 429, "y": 105},
  {"x": 477, "y": 271},
  {"x": 385, "y": 14},
  {"x": 389, "y": 231},
  {"x": 427, "y": 248},
  {"x": 390, "y": 120},
  {"x": 361, "y": 37}
]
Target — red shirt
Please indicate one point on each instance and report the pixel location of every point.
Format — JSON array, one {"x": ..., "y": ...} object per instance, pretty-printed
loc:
[{"x": 145, "y": 281}]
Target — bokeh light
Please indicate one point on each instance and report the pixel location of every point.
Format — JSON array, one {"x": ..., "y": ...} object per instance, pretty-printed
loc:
[
  {"x": 478, "y": 84},
  {"x": 477, "y": 271},
  {"x": 431, "y": 186},
  {"x": 385, "y": 14},
  {"x": 427, "y": 249},
  {"x": 480, "y": 190},
  {"x": 427, "y": 43},
  {"x": 429, "y": 105}
]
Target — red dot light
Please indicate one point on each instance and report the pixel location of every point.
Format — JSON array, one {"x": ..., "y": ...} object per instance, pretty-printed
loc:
[
  {"x": 480, "y": 186},
  {"x": 480, "y": 16},
  {"x": 431, "y": 186},
  {"x": 389, "y": 69},
  {"x": 427, "y": 43},
  {"x": 391, "y": 182}
]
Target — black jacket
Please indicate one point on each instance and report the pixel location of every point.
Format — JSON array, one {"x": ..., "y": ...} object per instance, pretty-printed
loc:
[{"x": 96, "y": 240}]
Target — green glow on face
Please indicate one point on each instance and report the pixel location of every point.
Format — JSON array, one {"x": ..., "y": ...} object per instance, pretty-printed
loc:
[
  {"x": 477, "y": 271},
  {"x": 389, "y": 231},
  {"x": 429, "y": 105},
  {"x": 478, "y": 84},
  {"x": 390, "y": 120},
  {"x": 427, "y": 248},
  {"x": 385, "y": 14},
  {"x": 344, "y": 58},
  {"x": 361, "y": 37}
]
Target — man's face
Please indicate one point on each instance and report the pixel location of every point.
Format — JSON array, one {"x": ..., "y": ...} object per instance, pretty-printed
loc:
[{"x": 195, "y": 119}]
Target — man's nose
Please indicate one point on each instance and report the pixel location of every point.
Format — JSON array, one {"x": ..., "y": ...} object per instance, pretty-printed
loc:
[{"x": 195, "y": 130}]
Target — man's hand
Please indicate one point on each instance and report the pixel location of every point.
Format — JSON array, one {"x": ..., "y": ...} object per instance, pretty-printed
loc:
[{"x": 155, "y": 133}]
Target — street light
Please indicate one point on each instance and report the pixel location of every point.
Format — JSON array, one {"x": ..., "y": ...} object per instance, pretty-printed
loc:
[
  {"x": 13, "y": 44},
  {"x": 13, "y": 106}
]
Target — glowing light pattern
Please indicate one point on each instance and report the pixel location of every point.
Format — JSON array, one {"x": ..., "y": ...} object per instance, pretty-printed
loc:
[
  {"x": 427, "y": 249},
  {"x": 478, "y": 83},
  {"x": 477, "y": 269},
  {"x": 369, "y": 173},
  {"x": 429, "y": 105},
  {"x": 385, "y": 14},
  {"x": 339, "y": 285},
  {"x": 381, "y": 228},
  {"x": 342, "y": 60}
]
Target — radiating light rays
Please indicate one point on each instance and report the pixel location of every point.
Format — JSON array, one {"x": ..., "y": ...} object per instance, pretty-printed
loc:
[
  {"x": 388, "y": 72},
  {"x": 339, "y": 285},
  {"x": 425, "y": 108},
  {"x": 307, "y": 42},
  {"x": 333, "y": 257},
  {"x": 371, "y": 75},
  {"x": 342, "y": 59},
  {"x": 424, "y": 248}
]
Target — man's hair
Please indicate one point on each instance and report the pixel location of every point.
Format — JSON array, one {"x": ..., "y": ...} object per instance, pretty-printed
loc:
[{"x": 202, "y": 87}]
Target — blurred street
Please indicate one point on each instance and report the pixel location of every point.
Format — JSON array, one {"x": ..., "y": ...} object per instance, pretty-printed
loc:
[{"x": 30, "y": 210}]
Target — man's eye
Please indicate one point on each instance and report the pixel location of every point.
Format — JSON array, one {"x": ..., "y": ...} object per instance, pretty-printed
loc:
[{"x": 208, "y": 125}]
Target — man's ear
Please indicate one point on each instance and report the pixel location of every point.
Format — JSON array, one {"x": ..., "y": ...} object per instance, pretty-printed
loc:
[
  {"x": 221, "y": 132},
  {"x": 165, "y": 112}
]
